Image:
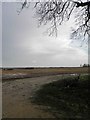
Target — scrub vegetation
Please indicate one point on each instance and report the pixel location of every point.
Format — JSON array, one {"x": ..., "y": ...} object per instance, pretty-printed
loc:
[{"x": 66, "y": 98}]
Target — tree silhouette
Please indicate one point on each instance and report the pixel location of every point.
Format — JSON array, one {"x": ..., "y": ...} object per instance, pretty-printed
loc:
[{"x": 58, "y": 11}]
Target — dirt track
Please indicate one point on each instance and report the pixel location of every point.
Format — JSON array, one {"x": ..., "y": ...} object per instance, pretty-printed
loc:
[
  {"x": 17, "y": 97},
  {"x": 17, "y": 93}
]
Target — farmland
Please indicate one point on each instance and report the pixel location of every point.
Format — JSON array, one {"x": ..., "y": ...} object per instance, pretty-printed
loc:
[
  {"x": 20, "y": 86},
  {"x": 37, "y": 72}
]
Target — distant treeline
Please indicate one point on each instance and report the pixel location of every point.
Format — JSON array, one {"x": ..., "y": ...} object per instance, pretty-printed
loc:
[
  {"x": 85, "y": 65},
  {"x": 31, "y": 68},
  {"x": 18, "y": 68}
]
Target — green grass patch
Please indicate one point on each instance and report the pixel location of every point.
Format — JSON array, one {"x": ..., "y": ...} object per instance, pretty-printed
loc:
[{"x": 69, "y": 97}]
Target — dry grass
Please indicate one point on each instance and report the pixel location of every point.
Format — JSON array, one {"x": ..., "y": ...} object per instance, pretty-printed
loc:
[{"x": 47, "y": 71}]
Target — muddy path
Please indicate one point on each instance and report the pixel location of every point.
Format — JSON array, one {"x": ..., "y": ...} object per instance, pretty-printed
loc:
[{"x": 17, "y": 96}]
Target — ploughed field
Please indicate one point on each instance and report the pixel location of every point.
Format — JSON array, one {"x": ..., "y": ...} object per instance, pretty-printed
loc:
[{"x": 15, "y": 73}]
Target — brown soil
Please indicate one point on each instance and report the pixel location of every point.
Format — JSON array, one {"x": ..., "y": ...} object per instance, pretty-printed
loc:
[{"x": 17, "y": 96}]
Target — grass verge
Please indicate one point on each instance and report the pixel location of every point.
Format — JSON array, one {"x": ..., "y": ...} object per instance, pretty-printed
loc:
[{"x": 66, "y": 98}]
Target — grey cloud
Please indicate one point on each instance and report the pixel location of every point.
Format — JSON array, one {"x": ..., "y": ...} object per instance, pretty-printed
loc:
[
  {"x": 24, "y": 44},
  {"x": 0, "y": 34}
]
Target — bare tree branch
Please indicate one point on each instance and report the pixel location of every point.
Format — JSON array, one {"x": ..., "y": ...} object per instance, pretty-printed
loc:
[{"x": 58, "y": 11}]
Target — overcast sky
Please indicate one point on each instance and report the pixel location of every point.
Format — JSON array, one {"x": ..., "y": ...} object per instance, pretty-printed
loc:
[
  {"x": 24, "y": 44},
  {"x": 0, "y": 35}
]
